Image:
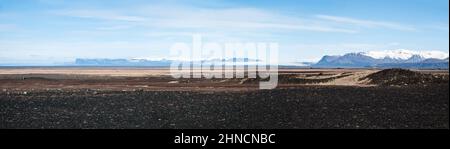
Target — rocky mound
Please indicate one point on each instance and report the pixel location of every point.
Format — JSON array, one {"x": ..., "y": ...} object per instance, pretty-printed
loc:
[{"x": 402, "y": 77}]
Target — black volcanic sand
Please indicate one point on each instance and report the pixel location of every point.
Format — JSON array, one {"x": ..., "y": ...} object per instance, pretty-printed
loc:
[{"x": 301, "y": 107}]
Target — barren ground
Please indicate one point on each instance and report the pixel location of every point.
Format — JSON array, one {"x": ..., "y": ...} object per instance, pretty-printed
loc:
[{"x": 149, "y": 98}]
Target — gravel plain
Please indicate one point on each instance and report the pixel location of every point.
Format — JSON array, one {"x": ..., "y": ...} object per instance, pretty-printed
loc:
[{"x": 299, "y": 107}]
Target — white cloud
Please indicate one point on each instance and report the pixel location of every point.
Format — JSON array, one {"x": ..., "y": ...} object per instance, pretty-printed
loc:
[
  {"x": 225, "y": 19},
  {"x": 116, "y": 27},
  {"x": 99, "y": 14},
  {"x": 235, "y": 19},
  {"x": 367, "y": 23},
  {"x": 340, "y": 47}
]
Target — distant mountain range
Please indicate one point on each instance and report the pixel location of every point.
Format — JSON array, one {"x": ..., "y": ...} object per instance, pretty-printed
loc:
[
  {"x": 372, "y": 59},
  {"x": 121, "y": 62},
  {"x": 150, "y": 62},
  {"x": 386, "y": 59}
]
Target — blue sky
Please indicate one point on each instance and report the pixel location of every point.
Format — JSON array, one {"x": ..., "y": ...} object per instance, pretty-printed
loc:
[{"x": 58, "y": 31}]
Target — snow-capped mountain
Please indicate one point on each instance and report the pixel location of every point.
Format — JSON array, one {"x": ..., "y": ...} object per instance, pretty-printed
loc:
[
  {"x": 405, "y": 54},
  {"x": 387, "y": 59}
]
